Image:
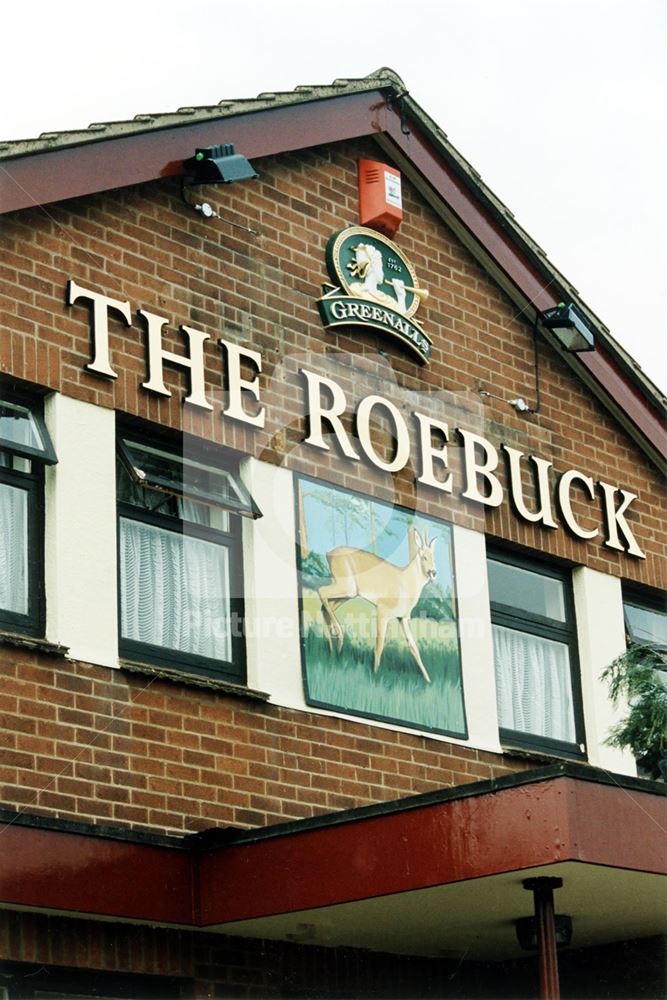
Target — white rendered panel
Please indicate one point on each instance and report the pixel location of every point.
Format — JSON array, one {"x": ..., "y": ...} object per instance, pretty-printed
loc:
[
  {"x": 81, "y": 604},
  {"x": 601, "y": 633}
]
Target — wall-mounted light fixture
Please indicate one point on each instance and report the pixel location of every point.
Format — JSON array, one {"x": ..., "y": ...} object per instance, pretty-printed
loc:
[
  {"x": 218, "y": 165},
  {"x": 526, "y": 931},
  {"x": 215, "y": 165},
  {"x": 568, "y": 324}
]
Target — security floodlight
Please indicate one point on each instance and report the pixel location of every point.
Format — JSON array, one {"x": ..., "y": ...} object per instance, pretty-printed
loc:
[
  {"x": 569, "y": 326},
  {"x": 217, "y": 165}
]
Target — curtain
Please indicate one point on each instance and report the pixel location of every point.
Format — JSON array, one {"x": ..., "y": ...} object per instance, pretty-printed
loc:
[
  {"x": 174, "y": 591},
  {"x": 13, "y": 549},
  {"x": 533, "y": 684}
]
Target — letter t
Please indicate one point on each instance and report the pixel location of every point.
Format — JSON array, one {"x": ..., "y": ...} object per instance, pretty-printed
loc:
[{"x": 101, "y": 363}]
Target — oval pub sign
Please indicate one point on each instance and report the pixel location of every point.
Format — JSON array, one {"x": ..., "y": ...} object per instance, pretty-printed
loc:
[{"x": 375, "y": 286}]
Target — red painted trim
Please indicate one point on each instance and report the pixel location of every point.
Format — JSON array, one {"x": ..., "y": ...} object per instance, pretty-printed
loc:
[
  {"x": 501, "y": 246},
  {"x": 44, "y": 178},
  {"x": 619, "y": 827},
  {"x": 499, "y": 243},
  {"x": 111, "y": 878},
  {"x": 514, "y": 829},
  {"x": 627, "y": 397}
]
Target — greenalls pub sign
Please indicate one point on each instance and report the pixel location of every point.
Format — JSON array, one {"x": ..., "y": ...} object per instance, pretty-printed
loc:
[{"x": 375, "y": 286}]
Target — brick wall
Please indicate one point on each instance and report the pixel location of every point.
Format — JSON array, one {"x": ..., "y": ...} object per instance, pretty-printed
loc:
[
  {"x": 144, "y": 245},
  {"x": 90, "y": 743},
  {"x": 95, "y": 744},
  {"x": 82, "y": 944},
  {"x": 210, "y": 965}
]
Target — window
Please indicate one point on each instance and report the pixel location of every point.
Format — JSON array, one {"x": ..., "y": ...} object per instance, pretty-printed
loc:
[
  {"x": 25, "y": 447},
  {"x": 646, "y": 621},
  {"x": 534, "y": 642},
  {"x": 179, "y": 556}
]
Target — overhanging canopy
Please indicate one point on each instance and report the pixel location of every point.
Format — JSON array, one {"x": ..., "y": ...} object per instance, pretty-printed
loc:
[{"x": 435, "y": 874}]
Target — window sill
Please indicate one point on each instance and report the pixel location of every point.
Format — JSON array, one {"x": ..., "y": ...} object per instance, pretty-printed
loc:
[
  {"x": 30, "y": 642},
  {"x": 543, "y": 757},
  {"x": 194, "y": 680}
]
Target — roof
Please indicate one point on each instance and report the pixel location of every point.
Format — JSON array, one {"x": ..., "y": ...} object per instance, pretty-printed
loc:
[
  {"x": 186, "y": 116},
  {"x": 379, "y": 105}
]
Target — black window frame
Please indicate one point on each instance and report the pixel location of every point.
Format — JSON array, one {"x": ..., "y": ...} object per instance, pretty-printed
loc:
[
  {"x": 644, "y": 602},
  {"x": 233, "y": 670},
  {"x": 32, "y": 623},
  {"x": 546, "y": 628}
]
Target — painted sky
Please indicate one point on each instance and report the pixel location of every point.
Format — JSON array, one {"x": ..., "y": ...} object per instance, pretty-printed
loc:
[{"x": 338, "y": 517}]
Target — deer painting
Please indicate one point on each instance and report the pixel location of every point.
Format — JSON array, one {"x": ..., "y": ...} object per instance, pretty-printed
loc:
[{"x": 393, "y": 590}]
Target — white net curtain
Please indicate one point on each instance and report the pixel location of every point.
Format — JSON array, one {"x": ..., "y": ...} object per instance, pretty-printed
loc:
[
  {"x": 175, "y": 591},
  {"x": 13, "y": 549},
  {"x": 533, "y": 684}
]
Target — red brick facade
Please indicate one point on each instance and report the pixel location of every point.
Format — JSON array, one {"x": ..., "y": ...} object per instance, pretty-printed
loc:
[
  {"x": 87, "y": 743},
  {"x": 126, "y": 749},
  {"x": 83, "y": 741},
  {"x": 143, "y": 245}
]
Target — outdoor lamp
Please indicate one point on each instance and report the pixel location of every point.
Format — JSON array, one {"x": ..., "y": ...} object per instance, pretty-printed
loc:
[
  {"x": 526, "y": 931},
  {"x": 217, "y": 165},
  {"x": 569, "y": 326}
]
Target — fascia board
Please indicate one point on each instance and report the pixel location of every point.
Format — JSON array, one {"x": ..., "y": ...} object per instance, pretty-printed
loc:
[{"x": 54, "y": 175}]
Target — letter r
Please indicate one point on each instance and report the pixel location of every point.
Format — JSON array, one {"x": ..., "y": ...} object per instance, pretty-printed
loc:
[{"x": 317, "y": 413}]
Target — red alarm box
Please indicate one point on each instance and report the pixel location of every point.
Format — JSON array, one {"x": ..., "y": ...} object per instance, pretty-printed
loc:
[{"x": 380, "y": 202}]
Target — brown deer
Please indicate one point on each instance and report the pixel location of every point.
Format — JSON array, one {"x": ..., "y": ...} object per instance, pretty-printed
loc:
[{"x": 394, "y": 590}]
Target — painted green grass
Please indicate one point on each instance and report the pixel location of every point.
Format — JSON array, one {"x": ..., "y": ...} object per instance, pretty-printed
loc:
[{"x": 397, "y": 691}]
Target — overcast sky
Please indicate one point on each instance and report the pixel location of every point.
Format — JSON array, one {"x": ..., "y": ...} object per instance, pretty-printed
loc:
[{"x": 559, "y": 104}]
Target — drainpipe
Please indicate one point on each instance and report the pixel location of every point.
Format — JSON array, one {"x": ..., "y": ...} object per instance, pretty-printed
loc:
[{"x": 543, "y": 896}]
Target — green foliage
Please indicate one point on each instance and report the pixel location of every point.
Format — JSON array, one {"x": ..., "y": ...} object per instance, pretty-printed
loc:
[
  {"x": 315, "y": 570},
  {"x": 435, "y": 602},
  {"x": 639, "y": 675}
]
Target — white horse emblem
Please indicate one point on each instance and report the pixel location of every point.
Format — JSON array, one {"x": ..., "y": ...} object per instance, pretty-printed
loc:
[{"x": 368, "y": 266}]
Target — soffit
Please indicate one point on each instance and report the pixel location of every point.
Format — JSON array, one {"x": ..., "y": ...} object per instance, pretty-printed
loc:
[
  {"x": 474, "y": 920},
  {"x": 144, "y": 123}
]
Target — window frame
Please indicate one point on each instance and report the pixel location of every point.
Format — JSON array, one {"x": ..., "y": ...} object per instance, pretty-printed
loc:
[
  {"x": 232, "y": 670},
  {"x": 242, "y": 504},
  {"x": 643, "y": 602},
  {"x": 46, "y": 453},
  {"x": 531, "y": 623},
  {"x": 32, "y": 623}
]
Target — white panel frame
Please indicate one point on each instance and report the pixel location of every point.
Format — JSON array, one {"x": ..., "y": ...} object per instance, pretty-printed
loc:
[
  {"x": 479, "y": 674},
  {"x": 273, "y": 643},
  {"x": 80, "y": 531},
  {"x": 271, "y": 604},
  {"x": 598, "y": 601}
]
